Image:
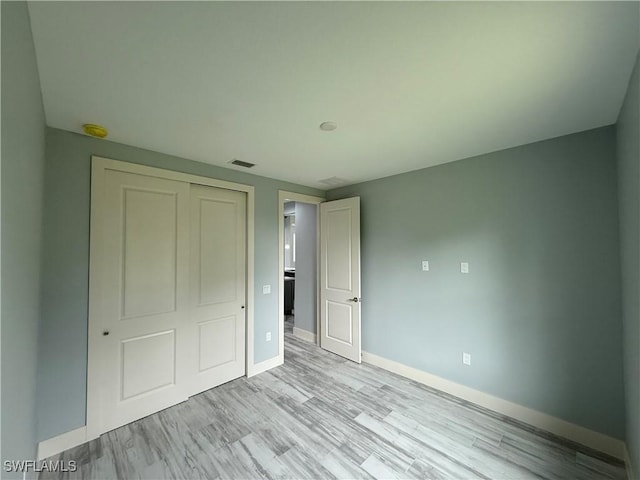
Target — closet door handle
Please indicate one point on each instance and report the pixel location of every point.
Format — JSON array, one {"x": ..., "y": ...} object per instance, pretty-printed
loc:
[{"x": 354, "y": 299}]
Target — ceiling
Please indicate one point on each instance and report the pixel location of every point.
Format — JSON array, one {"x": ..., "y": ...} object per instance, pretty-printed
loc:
[{"x": 410, "y": 85}]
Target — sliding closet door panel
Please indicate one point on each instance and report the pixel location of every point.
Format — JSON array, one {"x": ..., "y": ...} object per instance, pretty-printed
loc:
[
  {"x": 144, "y": 261},
  {"x": 217, "y": 308}
]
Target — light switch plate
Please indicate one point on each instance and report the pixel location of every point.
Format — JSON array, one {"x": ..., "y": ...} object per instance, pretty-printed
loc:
[
  {"x": 425, "y": 265},
  {"x": 266, "y": 289},
  {"x": 464, "y": 267},
  {"x": 466, "y": 358},
  {"x": 268, "y": 337}
]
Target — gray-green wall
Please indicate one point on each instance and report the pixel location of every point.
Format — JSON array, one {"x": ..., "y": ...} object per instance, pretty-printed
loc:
[
  {"x": 540, "y": 310},
  {"x": 628, "y": 136},
  {"x": 306, "y": 266},
  {"x": 63, "y": 350},
  {"x": 23, "y": 158}
]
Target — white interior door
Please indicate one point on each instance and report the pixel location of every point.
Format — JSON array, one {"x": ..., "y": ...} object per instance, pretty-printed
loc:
[
  {"x": 217, "y": 296},
  {"x": 143, "y": 261},
  {"x": 340, "y": 277}
]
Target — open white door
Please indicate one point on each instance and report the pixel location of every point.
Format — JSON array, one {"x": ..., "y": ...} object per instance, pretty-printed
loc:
[{"x": 340, "y": 277}]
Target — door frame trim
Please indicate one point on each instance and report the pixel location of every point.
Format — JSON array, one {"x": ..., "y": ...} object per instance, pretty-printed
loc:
[
  {"x": 99, "y": 165},
  {"x": 283, "y": 197}
]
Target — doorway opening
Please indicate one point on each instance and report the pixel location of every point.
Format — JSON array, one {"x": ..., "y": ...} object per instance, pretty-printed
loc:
[
  {"x": 333, "y": 294},
  {"x": 298, "y": 267}
]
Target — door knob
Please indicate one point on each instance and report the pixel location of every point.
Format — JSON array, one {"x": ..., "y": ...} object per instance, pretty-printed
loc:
[{"x": 354, "y": 299}]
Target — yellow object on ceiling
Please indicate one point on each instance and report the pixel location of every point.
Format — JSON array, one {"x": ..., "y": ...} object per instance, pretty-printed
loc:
[{"x": 95, "y": 130}]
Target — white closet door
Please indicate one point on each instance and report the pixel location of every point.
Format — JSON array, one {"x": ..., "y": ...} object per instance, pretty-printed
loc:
[
  {"x": 217, "y": 296},
  {"x": 143, "y": 280}
]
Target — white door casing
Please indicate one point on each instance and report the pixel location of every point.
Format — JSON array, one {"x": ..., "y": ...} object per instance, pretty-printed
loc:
[
  {"x": 217, "y": 291},
  {"x": 340, "y": 277}
]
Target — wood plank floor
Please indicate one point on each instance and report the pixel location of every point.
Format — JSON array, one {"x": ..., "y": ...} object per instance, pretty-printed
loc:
[{"x": 320, "y": 416}]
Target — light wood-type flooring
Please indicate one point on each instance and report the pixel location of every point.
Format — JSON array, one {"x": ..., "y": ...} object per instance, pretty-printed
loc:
[{"x": 320, "y": 416}]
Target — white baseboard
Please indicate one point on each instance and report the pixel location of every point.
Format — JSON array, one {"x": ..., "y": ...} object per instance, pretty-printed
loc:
[
  {"x": 543, "y": 421},
  {"x": 63, "y": 442},
  {"x": 265, "y": 365},
  {"x": 304, "y": 334},
  {"x": 627, "y": 463}
]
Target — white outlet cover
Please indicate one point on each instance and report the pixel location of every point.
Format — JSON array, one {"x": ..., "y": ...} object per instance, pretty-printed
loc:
[
  {"x": 266, "y": 289},
  {"x": 464, "y": 267},
  {"x": 425, "y": 265},
  {"x": 466, "y": 358},
  {"x": 268, "y": 337}
]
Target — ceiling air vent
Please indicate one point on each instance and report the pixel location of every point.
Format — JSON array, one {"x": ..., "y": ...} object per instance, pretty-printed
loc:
[
  {"x": 240, "y": 163},
  {"x": 334, "y": 181}
]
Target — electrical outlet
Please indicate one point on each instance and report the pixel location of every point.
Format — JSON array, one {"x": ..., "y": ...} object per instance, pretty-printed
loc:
[
  {"x": 464, "y": 267},
  {"x": 266, "y": 289},
  {"x": 466, "y": 358},
  {"x": 425, "y": 265},
  {"x": 268, "y": 337}
]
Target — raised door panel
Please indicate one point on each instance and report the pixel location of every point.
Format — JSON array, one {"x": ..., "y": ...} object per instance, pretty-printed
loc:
[
  {"x": 339, "y": 322},
  {"x": 149, "y": 252},
  {"x": 338, "y": 249},
  {"x": 148, "y": 364},
  {"x": 217, "y": 343}
]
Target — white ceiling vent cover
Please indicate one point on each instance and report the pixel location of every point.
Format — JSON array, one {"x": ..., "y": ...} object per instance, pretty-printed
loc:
[
  {"x": 334, "y": 181},
  {"x": 241, "y": 163}
]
